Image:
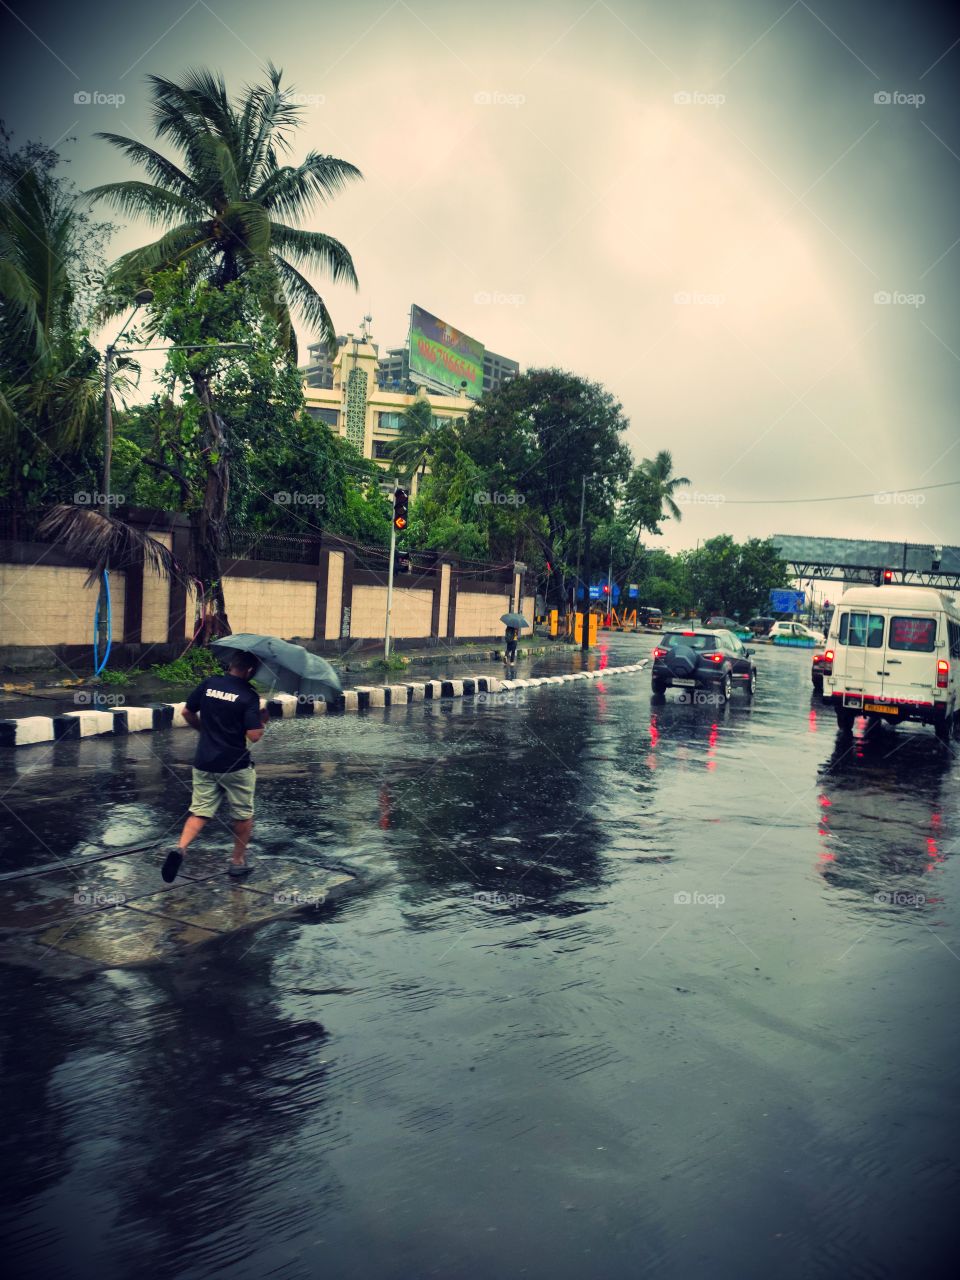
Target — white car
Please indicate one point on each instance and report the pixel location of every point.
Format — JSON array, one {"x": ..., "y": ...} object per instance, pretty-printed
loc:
[{"x": 795, "y": 631}]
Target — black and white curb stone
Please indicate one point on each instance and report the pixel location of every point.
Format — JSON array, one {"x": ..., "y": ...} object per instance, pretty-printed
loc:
[{"x": 36, "y": 730}]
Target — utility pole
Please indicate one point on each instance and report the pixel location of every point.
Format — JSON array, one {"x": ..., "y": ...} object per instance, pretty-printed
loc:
[
  {"x": 393, "y": 545},
  {"x": 610, "y": 587},
  {"x": 585, "y": 633},
  {"x": 576, "y": 581}
]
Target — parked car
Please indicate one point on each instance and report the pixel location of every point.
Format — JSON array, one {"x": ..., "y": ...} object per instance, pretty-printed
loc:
[
  {"x": 761, "y": 626},
  {"x": 894, "y": 655},
  {"x": 796, "y": 633},
  {"x": 703, "y": 659}
]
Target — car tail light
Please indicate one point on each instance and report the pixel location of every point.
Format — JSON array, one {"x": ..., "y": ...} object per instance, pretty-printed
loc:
[
  {"x": 660, "y": 653},
  {"x": 828, "y": 656},
  {"x": 827, "y": 663},
  {"x": 943, "y": 673},
  {"x": 688, "y": 633},
  {"x": 713, "y": 657}
]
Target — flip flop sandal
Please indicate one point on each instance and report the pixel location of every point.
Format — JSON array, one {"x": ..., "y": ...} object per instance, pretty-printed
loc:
[
  {"x": 171, "y": 865},
  {"x": 237, "y": 872}
]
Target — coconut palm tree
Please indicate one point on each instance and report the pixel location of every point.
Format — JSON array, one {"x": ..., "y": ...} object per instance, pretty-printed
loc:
[
  {"x": 227, "y": 202},
  {"x": 663, "y": 483},
  {"x": 649, "y": 498},
  {"x": 49, "y": 374},
  {"x": 416, "y": 441}
]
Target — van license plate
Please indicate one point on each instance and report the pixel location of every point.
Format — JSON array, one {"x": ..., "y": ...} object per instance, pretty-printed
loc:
[
  {"x": 879, "y": 706},
  {"x": 685, "y": 684}
]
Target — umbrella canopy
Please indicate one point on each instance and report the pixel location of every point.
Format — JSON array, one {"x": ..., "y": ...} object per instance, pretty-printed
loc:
[
  {"x": 514, "y": 620},
  {"x": 292, "y": 669}
]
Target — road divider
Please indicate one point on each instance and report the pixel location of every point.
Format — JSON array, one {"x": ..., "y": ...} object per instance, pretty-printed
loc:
[{"x": 29, "y": 731}]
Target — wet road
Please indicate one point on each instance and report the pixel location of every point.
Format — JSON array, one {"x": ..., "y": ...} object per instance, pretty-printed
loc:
[{"x": 635, "y": 990}]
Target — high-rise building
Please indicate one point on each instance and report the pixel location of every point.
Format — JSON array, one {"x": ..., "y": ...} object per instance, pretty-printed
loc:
[{"x": 362, "y": 395}]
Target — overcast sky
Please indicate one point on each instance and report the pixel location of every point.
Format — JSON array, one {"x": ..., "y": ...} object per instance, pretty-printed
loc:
[{"x": 697, "y": 203}]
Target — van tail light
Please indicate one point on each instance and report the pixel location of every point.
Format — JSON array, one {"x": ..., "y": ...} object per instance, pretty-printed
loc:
[
  {"x": 943, "y": 673},
  {"x": 660, "y": 653},
  {"x": 714, "y": 657},
  {"x": 827, "y": 665}
]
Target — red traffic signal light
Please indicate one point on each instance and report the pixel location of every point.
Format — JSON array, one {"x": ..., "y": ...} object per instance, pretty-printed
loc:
[
  {"x": 400, "y": 500},
  {"x": 888, "y": 575}
]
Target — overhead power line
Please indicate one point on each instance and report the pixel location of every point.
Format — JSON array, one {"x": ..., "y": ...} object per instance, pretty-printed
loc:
[{"x": 842, "y": 497}]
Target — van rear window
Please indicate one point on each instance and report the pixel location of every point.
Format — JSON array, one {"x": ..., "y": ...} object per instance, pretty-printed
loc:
[
  {"x": 917, "y": 635},
  {"x": 861, "y": 630}
]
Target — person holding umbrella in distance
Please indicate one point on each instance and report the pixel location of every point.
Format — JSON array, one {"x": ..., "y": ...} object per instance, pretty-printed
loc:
[{"x": 513, "y": 623}]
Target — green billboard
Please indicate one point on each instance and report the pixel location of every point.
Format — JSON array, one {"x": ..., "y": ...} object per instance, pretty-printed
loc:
[{"x": 443, "y": 355}]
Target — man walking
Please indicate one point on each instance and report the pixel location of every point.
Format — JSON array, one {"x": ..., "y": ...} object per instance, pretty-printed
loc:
[{"x": 225, "y": 710}]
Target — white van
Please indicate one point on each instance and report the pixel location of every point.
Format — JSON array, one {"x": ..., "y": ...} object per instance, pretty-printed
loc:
[{"x": 893, "y": 653}]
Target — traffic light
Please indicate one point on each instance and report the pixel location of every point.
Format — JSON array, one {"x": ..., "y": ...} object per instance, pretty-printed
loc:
[
  {"x": 400, "y": 499},
  {"x": 888, "y": 575},
  {"x": 882, "y": 577}
]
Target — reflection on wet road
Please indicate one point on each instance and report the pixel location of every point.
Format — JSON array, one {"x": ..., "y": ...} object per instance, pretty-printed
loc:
[{"x": 637, "y": 988}]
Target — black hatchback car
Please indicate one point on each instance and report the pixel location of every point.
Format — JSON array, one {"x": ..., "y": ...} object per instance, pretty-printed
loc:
[{"x": 701, "y": 659}]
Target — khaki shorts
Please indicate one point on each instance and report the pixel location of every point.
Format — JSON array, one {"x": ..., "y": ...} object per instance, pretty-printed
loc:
[{"x": 210, "y": 789}]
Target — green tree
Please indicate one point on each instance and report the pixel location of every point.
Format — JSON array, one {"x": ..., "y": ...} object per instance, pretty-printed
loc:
[
  {"x": 227, "y": 203},
  {"x": 416, "y": 441},
  {"x": 529, "y": 444},
  {"x": 50, "y": 374},
  {"x": 733, "y": 579}
]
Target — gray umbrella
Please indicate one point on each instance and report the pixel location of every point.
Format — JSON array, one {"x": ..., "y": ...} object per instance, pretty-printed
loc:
[
  {"x": 291, "y": 668},
  {"x": 514, "y": 620}
]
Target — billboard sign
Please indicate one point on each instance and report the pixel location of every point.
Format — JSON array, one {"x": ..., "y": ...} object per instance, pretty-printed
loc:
[
  {"x": 786, "y": 601},
  {"x": 443, "y": 356}
]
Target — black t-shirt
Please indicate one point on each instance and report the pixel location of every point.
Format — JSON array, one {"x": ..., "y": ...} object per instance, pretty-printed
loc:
[{"x": 228, "y": 707}]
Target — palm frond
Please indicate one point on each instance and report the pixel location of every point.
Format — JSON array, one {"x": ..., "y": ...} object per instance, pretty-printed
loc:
[
  {"x": 317, "y": 251},
  {"x": 146, "y": 200},
  {"x": 292, "y": 189},
  {"x": 160, "y": 169},
  {"x": 102, "y": 541},
  {"x": 304, "y": 297}
]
